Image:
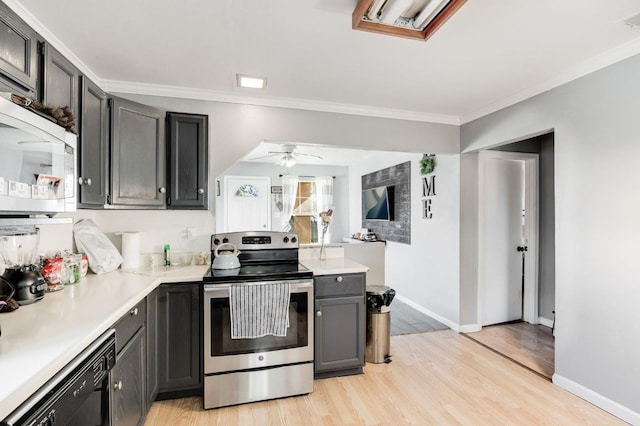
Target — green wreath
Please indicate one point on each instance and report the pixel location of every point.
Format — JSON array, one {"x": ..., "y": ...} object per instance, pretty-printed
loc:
[{"x": 427, "y": 164}]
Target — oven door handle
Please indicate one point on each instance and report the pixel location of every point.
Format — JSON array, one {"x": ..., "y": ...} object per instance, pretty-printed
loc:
[{"x": 297, "y": 286}]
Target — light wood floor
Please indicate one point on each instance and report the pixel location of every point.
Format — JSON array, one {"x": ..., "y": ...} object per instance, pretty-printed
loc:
[
  {"x": 407, "y": 320},
  {"x": 438, "y": 378},
  {"x": 530, "y": 345}
]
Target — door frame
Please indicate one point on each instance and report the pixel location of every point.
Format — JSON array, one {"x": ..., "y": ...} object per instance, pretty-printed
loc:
[{"x": 531, "y": 164}]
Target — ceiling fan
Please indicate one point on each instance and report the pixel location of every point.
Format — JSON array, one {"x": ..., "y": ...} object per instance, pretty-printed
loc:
[{"x": 286, "y": 157}]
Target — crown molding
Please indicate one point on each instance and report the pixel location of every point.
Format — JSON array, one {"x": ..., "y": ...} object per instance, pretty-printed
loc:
[
  {"x": 44, "y": 32},
  {"x": 617, "y": 54},
  {"x": 229, "y": 97}
]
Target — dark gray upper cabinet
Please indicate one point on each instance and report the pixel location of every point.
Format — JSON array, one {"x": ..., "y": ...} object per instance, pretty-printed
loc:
[
  {"x": 339, "y": 324},
  {"x": 18, "y": 51},
  {"x": 93, "y": 147},
  {"x": 179, "y": 340},
  {"x": 61, "y": 81},
  {"x": 137, "y": 155},
  {"x": 188, "y": 161}
]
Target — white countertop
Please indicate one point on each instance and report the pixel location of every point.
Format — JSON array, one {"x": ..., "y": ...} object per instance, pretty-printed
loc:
[
  {"x": 40, "y": 339},
  {"x": 333, "y": 265}
]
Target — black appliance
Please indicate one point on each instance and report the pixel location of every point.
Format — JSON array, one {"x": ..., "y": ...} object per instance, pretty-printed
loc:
[
  {"x": 243, "y": 370},
  {"x": 77, "y": 395},
  {"x": 28, "y": 283}
]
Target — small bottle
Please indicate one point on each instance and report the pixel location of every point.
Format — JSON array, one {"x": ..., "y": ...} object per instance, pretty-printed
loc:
[{"x": 167, "y": 250}]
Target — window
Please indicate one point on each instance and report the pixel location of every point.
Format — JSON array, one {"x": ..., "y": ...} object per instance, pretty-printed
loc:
[
  {"x": 305, "y": 213},
  {"x": 303, "y": 200}
]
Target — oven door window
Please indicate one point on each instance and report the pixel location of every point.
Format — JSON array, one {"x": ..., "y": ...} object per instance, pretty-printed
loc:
[{"x": 222, "y": 343}]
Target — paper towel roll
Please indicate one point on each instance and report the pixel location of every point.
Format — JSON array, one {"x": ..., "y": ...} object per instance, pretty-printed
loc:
[{"x": 131, "y": 250}]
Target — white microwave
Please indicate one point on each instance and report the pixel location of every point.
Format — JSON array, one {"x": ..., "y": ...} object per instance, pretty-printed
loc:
[{"x": 37, "y": 164}]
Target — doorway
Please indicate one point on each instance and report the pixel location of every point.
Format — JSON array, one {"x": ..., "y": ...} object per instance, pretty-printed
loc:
[
  {"x": 247, "y": 205},
  {"x": 529, "y": 341}
]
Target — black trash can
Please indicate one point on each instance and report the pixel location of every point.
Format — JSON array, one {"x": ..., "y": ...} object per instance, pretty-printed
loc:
[{"x": 379, "y": 299}]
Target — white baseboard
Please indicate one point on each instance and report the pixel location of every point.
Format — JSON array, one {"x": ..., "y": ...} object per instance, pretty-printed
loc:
[
  {"x": 452, "y": 325},
  {"x": 545, "y": 321},
  {"x": 598, "y": 400}
]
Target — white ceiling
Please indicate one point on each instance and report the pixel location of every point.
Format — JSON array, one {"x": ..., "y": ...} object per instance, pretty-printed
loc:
[
  {"x": 490, "y": 54},
  {"x": 306, "y": 154}
]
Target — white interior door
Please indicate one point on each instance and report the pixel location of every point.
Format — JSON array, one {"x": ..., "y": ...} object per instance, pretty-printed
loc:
[
  {"x": 247, "y": 204},
  {"x": 502, "y": 231}
]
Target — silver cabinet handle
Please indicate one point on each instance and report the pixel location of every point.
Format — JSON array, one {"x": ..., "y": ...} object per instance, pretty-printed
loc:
[
  {"x": 162, "y": 189},
  {"x": 339, "y": 279},
  {"x": 134, "y": 312},
  {"x": 200, "y": 191},
  {"x": 80, "y": 181},
  {"x": 118, "y": 386},
  {"x": 318, "y": 314},
  {"x": 83, "y": 181},
  {"x": 88, "y": 181}
]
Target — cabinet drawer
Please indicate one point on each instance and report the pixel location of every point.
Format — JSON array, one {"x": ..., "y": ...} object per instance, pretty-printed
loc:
[
  {"x": 339, "y": 285},
  {"x": 129, "y": 324}
]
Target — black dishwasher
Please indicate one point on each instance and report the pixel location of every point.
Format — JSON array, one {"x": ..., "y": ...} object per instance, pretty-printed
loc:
[{"x": 77, "y": 395}]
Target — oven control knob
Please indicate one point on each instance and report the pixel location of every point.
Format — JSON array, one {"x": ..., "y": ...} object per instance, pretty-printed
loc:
[
  {"x": 225, "y": 240},
  {"x": 216, "y": 241},
  {"x": 294, "y": 240},
  {"x": 285, "y": 239}
]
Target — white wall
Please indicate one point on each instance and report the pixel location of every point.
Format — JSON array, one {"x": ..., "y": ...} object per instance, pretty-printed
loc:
[
  {"x": 597, "y": 146},
  {"x": 427, "y": 271}
]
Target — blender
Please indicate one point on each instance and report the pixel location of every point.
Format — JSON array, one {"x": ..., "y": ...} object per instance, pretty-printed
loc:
[{"x": 18, "y": 252}]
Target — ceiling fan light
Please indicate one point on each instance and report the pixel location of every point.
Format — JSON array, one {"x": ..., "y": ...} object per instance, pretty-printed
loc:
[{"x": 289, "y": 161}]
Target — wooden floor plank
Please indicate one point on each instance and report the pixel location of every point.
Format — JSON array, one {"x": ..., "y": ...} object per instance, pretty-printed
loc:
[
  {"x": 530, "y": 345},
  {"x": 438, "y": 378}
]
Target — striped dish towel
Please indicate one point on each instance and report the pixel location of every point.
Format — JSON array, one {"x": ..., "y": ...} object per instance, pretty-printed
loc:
[{"x": 259, "y": 310}]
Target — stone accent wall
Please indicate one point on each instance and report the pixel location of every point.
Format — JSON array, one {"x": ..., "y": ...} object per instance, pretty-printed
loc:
[{"x": 398, "y": 181}]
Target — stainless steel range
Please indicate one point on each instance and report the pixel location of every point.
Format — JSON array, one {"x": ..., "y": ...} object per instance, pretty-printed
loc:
[{"x": 240, "y": 369}]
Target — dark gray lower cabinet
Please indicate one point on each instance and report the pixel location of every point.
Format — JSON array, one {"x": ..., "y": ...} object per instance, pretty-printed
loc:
[
  {"x": 179, "y": 340},
  {"x": 128, "y": 402},
  {"x": 152, "y": 347},
  {"x": 339, "y": 325}
]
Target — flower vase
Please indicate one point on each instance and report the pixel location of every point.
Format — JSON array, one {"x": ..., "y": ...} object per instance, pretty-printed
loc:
[{"x": 323, "y": 251}]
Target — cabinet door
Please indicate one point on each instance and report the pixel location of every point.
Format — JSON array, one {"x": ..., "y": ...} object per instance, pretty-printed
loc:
[
  {"x": 127, "y": 383},
  {"x": 137, "y": 155},
  {"x": 179, "y": 347},
  {"x": 93, "y": 146},
  {"x": 188, "y": 161},
  {"x": 339, "y": 333},
  {"x": 61, "y": 81},
  {"x": 152, "y": 347},
  {"x": 18, "y": 50}
]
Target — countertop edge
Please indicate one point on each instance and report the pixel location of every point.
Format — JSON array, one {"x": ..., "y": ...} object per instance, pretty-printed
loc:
[{"x": 12, "y": 397}]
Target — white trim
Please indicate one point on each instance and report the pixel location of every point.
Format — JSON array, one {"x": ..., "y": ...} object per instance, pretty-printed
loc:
[
  {"x": 302, "y": 104},
  {"x": 34, "y": 23},
  {"x": 613, "y": 407},
  {"x": 587, "y": 67},
  {"x": 530, "y": 313},
  {"x": 469, "y": 328},
  {"x": 545, "y": 321},
  {"x": 452, "y": 325}
]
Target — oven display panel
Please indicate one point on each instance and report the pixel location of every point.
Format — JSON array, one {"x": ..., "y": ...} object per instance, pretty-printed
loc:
[{"x": 256, "y": 240}]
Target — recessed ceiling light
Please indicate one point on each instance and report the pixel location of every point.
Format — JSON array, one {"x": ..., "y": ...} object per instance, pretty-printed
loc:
[{"x": 251, "y": 82}]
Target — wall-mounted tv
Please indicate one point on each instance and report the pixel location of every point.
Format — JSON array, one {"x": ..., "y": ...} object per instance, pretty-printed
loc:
[{"x": 377, "y": 203}]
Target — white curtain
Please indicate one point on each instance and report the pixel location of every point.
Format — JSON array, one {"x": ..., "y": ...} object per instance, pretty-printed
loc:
[
  {"x": 289, "y": 191},
  {"x": 324, "y": 198}
]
